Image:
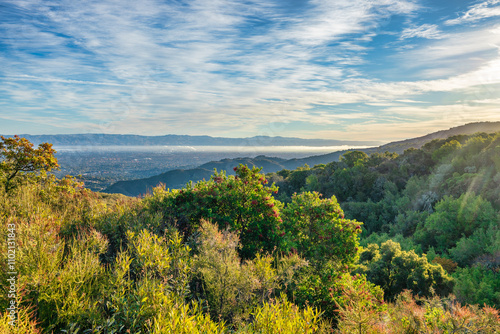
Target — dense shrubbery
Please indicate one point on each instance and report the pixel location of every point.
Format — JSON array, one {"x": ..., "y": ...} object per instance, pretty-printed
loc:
[{"x": 226, "y": 256}]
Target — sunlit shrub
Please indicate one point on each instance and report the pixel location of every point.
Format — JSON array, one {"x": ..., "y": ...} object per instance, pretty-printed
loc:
[
  {"x": 281, "y": 316},
  {"x": 233, "y": 287}
]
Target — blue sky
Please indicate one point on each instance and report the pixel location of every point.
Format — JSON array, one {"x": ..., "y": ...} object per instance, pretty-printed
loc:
[{"x": 344, "y": 69}]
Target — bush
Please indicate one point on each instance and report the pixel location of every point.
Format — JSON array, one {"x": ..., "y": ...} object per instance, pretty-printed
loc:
[
  {"x": 241, "y": 203},
  {"x": 325, "y": 289},
  {"x": 281, "y": 316},
  {"x": 231, "y": 287}
]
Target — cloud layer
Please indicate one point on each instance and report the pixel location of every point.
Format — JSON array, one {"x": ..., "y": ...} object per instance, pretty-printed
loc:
[{"x": 241, "y": 68}]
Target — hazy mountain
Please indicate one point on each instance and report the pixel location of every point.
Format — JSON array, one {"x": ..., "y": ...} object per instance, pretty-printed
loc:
[
  {"x": 179, "y": 177},
  {"x": 184, "y": 140}
]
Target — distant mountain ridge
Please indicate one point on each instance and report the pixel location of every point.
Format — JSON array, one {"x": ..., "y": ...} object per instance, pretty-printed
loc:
[
  {"x": 184, "y": 140},
  {"x": 178, "y": 178}
]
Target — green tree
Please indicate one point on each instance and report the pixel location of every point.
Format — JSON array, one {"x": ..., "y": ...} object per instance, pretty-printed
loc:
[
  {"x": 354, "y": 158},
  {"x": 446, "y": 150},
  {"x": 241, "y": 203},
  {"x": 317, "y": 230},
  {"x": 477, "y": 285},
  {"x": 454, "y": 219},
  {"x": 18, "y": 157},
  {"x": 395, "y": 270}
]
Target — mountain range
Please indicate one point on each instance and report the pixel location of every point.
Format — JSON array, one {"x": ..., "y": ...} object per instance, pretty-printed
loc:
[
  {"x": 178, "y": 178},
  {"x": 90, "y": 139}
]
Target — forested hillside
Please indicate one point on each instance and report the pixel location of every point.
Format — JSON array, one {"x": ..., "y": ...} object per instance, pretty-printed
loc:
[
  {"x": 442, "y": 200},
  {"x": 369, "y": 244}
]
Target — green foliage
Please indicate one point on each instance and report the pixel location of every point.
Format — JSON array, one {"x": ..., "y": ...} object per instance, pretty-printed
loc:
[
  {"x": 396, "y": 270},
  {"x": 361, "y": 308},
  {"x": 445, "y": 150},
  {"x": 17, "y": 157},
  {"x": 316, "y": 229},
  {"x": 354, "y": 158},
  {"x": 231, "y": 287},
  {"x": 241, "y": 203},
  {"x": 477, "y": 285},
  {"x": 454, "y": 219},
  {"x": 325, "y": 288},
  {"x": 406, "y": 244}
]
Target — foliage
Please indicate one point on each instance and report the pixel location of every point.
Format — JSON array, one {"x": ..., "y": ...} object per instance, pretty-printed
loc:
[
  {"x": 325, "y": 288},
  {"x": 454, "y": 219},
  {"x": 241, "y": 203},
  {"x": 281, "y": 316},
  {"x": 225, "y": 256},
  {"x": 361, "y": 308},
  {"x": 434, "y": 315},
  {"x": 17, "y": 156},
  {"x": 317, "y": 230},
  {"x": 231, "y": 287},
  {"x": 396, "y": 270},
  {"x": 478, "y": 285},
  {"x": 449, "y": 265},
  {"x": 354, "y": 158},
  {"x": 24, "y": 322}
]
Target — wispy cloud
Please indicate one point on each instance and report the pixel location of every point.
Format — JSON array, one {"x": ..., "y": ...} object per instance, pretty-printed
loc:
[
  {"x": 231, "y": 67},
  {"x": 80, "y": 82},
  {"x": 482, "y": 10},
  {"x": 429, "y": 31}
]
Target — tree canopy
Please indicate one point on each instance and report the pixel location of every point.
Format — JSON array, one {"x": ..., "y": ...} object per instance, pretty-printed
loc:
[{"x": 18, "y": 156}]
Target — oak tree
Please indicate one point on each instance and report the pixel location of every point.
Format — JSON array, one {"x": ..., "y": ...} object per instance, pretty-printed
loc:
[{"x": 18, "y": 157}]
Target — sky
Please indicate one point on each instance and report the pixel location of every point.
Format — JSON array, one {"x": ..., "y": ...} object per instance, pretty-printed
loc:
[{"x": 378, "y": 70}]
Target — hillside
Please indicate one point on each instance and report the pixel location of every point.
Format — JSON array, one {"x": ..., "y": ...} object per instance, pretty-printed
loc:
[
  {"x": 366, "y": 241},
  {"x": 178, "y": 178},
  {"x": 466, "y": 129}
]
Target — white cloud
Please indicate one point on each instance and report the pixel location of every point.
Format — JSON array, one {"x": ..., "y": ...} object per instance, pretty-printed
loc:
[
  {"x": 400, "y": 123},
  {"x": 454, "y": 54},
  {"x": 429, "y": 31},
  {"x": 34, "y": 78},
  {"x": 219, "y": 67},
  {"x": 483, "y": 10}
]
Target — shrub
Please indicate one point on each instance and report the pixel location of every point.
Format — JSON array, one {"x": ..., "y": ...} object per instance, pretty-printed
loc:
[
  {"x": 281, "y": 316},
  {"x": 232, "y": 287},
  {"x": 241, "y": 203}
]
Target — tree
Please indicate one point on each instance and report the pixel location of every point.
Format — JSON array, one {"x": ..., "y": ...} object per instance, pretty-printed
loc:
[
  {"x": 455, "y": 218},
  {"x": 354, "y": 158},
  {"x": 17, "y": 157},
  {"x": 396, "y": 270},
  {"x": 315, "y": 227},
  {"x": 243, "y": 203}
]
